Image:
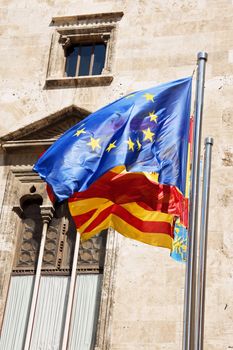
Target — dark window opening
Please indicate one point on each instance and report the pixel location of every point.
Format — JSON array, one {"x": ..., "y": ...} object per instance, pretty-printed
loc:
[{"x": 85, "y": 59}]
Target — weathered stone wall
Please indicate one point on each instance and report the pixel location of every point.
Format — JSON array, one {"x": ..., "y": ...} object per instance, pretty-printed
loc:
[{"x": 156, "y": 41}]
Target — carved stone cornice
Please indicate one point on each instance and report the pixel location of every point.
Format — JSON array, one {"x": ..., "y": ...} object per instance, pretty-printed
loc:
[
  {"x": 96, "y": 18},
  {"x": 10, "y": 145}
]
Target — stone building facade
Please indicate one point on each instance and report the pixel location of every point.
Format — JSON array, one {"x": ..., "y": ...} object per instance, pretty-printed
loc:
[{"x": 147, "y": 42}]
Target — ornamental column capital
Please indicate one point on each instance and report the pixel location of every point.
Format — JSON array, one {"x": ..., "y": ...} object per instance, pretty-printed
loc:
[{"x": 47, "y": 212}]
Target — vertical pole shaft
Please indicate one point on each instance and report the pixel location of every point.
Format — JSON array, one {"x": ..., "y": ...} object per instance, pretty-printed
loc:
[
  {"x": 190, "y": 282},
  {"x": 71, "y": 294},
  {"x": 46, "y": 213},
  {"x": 203, "y": 245}
]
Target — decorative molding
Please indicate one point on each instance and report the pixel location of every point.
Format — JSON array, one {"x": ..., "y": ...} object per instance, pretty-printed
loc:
[
  {"x": 25, "y": 175},
  {"x": 9, "y": 145},
  {"x": 92, "y": 80},
  {"x": 48, "y": 128},
  {"x": 72, "y": 36},
  {"x": 29, "y": 230},
  {"x": 59, "y": 242},
  {"x": 46, "y": 213},
  {"x": 96, "y": 18}
]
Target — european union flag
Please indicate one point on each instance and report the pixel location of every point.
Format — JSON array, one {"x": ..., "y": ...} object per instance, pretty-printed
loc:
[{"x": 146, "y": 131}]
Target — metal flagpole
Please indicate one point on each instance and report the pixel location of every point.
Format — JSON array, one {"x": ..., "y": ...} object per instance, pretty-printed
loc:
[
  {"x": 203, "y": 245},
  {"x": 190, "y": 282}
]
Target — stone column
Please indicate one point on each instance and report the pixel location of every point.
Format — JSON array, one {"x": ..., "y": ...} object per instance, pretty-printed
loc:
[{"x": 47, "y": 214}]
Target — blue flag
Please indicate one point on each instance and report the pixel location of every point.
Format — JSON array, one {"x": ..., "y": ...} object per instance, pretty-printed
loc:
[{"x": 146, "y": 131}]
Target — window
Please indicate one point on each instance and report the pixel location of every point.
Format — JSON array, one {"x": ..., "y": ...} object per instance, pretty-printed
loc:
[
  {"x": 85, "y": 59},
  {"x": 82, "y": 50},
  {"x": 52, "y": 296}
]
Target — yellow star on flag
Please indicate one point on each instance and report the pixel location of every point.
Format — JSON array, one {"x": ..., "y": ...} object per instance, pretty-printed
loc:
[
  {"x": 111, "y": 146},
  {"x": 94, "y": 143},
  {"x": 139, "y": 144},
  {"x": 130, "y": 144},
  {"x": 79, "y": 132},
  {"x": 153, "y": 117},
  {"x": 149, "y": 97},
  {"x": 148, "y": 134}
]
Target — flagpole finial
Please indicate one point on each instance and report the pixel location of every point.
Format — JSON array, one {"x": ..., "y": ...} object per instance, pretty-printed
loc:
[
  {"x": 209, "y": 140},
  {"x": 202, "y": 55}
]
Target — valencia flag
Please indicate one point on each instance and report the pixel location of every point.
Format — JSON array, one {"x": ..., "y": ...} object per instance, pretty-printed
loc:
[{"x": 134, "y": 204}]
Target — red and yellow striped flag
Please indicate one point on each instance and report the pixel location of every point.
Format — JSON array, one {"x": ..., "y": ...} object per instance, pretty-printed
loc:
[{"x": 134, "y": 204}]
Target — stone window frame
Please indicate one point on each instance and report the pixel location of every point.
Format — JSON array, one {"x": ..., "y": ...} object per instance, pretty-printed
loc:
[
  {"x": 59, "y": 244},
  {"x": 60, "y": 237},
  {"x": 82, "y": 28}
]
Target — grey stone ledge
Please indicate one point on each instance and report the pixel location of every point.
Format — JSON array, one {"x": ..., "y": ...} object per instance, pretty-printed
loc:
[{"x": 87, "y": 81}]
